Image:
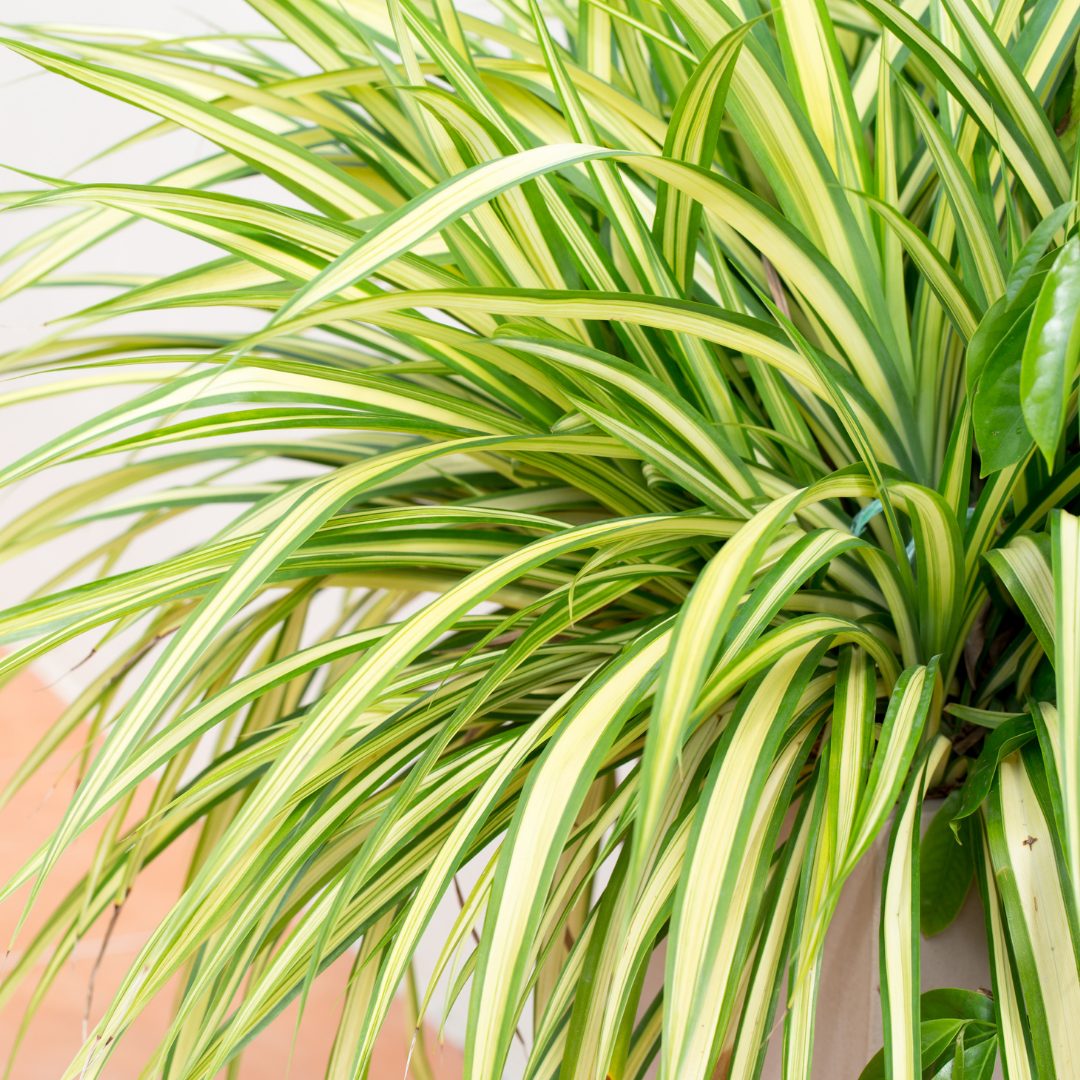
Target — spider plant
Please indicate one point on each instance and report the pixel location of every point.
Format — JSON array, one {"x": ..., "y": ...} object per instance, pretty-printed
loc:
[{"x": 686, "y": 391}]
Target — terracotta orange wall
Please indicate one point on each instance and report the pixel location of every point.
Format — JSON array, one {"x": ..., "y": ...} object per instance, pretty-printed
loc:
[{"x": 26, "y": 710}]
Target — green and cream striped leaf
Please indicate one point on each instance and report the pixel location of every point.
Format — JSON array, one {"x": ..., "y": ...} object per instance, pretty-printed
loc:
[
  {"x": 1024, "y": 566},
  {"x": 899, "y": 939},
  {"x": 1041, "y": 936},
  {"x": 581, "y": 298},
  {"x": 691, "y": 136},
  {"x": 1065, "y": 546},
  {"x": 1003, "y": 74},
  {"x": 548, "y": 807},
  {"x": 708, "y": 936},
  {"x": 977, "y": 233},
  {"x": 1008, "y": 1002},
  {"x": 309, "y": 176},
  {"x": 978, "y": 102}
]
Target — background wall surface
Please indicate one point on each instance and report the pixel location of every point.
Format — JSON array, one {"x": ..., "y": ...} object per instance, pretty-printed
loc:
[{"x": 52, "y": 126}]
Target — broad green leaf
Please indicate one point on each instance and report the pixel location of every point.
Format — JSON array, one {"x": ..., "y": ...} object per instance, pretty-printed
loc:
[
  {"x": 973, "y": 1062},
  {"x": 1001, "y": 431},
  {"x": 934, "y": 1035},
  {"x": 1000, "y": 329},
  {"x": 1034, "y": 248},
  {"x": 946, "y": 869},
  {"x": 949, "y": 1002},
  {"x": 998, "y": 745},
  {"x": 1051, "y": 351}
]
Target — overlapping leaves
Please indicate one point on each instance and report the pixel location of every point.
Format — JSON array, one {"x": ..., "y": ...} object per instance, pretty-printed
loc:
[{"x": 668, "y": 379}]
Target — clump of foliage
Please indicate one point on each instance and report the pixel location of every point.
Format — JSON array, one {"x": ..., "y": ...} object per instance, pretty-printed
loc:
[{"x": 690, "y": 390}]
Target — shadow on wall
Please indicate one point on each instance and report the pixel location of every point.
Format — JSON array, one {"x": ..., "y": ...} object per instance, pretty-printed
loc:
[{"x": 27, "y": 708}]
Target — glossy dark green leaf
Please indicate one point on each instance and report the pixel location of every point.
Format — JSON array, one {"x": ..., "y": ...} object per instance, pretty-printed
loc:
[
  {"x": 946, "y": 870},
  {"x": 958, "y": 1059},
  {"x": 1000, "y": 318},
  {"x": 1051, "y": 351},
  {"x": 1034, "y": 248},
  {"x": 969, "y": 1061},
  {"x": 1000, "y": 743},
  {"x": 938, "y": 1032},
  {"x": 938, "y": 1035},
  {"x": 875, "y": 1067},
  {"x": 952, "y": 1003},
  {"x": 979, "y": 1061},
  {"x": 1000, "y": 431}
]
